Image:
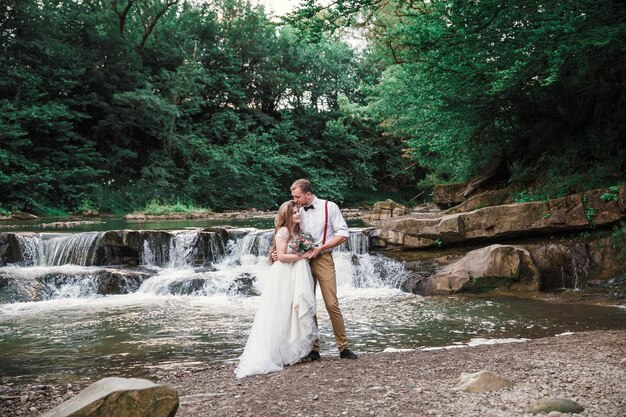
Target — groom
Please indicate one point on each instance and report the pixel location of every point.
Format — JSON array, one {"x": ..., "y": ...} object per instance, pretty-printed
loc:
[{"x": 324, "y": 221}]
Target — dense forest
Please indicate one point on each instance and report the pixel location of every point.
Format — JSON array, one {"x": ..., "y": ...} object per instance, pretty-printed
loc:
[{"x": 112, "y": 104}]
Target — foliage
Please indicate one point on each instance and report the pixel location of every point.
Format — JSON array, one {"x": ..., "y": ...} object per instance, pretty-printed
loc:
[
  {"x": 112, "y": 105},
  {"x": 155, "y": 207},
  {"x": 612, "y": 195},
  {"x": 119, "y": 103},
  {"x": 618, "y": 240},
  {"x": 533, "y": 86}
]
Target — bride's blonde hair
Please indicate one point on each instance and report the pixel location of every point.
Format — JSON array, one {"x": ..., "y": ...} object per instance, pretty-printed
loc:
[{"x": 284, "y": 218}]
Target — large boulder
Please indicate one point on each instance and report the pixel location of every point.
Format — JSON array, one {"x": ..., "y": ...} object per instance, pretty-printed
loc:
[
  {"x": 483, "y": 270},
  {"x": 128, "y": 397}
]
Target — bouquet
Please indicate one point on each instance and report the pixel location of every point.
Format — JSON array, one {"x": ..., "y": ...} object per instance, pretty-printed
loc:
[{"x": 301, "y": 243}]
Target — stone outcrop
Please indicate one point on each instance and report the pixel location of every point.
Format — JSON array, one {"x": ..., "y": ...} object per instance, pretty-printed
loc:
[
  {"x": 576, "y": 263},
  {"x": 448, "y": 195},
  {"x": 483, "y": 270},
  {"x": 478, "y": 201},
  {"x": 577, "y": 212},
  {"x": 384, "y": 210},
  {"x": 129, "y": 397}
]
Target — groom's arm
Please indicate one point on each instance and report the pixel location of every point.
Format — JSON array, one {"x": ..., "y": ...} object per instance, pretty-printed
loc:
[{"x": 340, "y": 228}]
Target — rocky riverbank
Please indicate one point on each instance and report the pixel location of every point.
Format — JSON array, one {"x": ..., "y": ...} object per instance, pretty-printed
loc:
[{"x": 588, "y": 368}]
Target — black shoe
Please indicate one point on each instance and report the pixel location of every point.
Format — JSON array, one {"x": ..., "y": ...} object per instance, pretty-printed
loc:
[
  {"x": 347, "y": 354},
  {"x": 313, "y": 355}
]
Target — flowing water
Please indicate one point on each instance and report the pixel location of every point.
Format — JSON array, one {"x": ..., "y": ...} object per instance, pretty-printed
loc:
[{"x": 191, "y": 300}]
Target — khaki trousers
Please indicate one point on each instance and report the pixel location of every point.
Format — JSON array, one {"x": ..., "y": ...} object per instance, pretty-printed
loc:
[{"x": 323, "y": 270}]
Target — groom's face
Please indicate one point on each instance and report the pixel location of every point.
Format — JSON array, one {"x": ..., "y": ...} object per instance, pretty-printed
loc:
[{"x": 300, "y": 198}]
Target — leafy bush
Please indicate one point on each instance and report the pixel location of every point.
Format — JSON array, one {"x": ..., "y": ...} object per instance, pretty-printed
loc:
[{"x": 155, "y": 207}]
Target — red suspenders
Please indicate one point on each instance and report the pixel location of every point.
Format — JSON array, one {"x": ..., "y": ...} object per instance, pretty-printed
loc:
[{"x": 325, "y": 221}]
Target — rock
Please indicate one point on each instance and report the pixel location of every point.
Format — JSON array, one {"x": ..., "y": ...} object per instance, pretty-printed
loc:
[
  {"x": 561, "y": 405},
  {"x": 561, "y": 265},
  {"x": 481, "y": 381},
  {"x": 18, "y": 215},
  {"x": 384, "y": 210},
  {"x": 447, "y": 195},
  {"x": 113, "y": 281},
  {"x": 486, "y": 199},
  {"x": 582, "y": 211},
  {"x": 128, "y": 397},
  {"x": 483, "y": 270}
]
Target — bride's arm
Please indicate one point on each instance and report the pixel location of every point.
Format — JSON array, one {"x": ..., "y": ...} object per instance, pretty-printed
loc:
[{"x": 282, "y": 241}]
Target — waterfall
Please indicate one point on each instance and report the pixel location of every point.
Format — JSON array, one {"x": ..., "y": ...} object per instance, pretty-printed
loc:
[
  {"x": 255, "y": 243},
  {"x": 358, "y": 243},
  {"x": 580, "y": 268},
  {"x": 58, "y": 249},
  {"x": 31, "y": 246},
  {"x": 187, "y": 262},
  {"x": 75, "y": 249},
  {"x": 181, "y": 250}
]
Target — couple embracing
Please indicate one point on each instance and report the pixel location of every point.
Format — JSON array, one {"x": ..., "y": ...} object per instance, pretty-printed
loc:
[{"x": 285, "y": 325}]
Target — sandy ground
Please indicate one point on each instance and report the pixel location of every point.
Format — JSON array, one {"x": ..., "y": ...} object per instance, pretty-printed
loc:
[{"x": 588, "y": 368}]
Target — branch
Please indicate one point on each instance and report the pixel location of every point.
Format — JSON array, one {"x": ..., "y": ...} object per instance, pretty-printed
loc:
[
  {"x": 153, "y": 23},
  {"x": 123, "y": 14}
]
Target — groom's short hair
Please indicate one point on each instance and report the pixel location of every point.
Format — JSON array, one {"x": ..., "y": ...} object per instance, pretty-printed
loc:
[{"x": 304, "y": 185}]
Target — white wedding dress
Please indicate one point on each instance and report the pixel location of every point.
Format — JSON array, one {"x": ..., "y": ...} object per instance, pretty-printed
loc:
[{"x": 284, "y": 329}]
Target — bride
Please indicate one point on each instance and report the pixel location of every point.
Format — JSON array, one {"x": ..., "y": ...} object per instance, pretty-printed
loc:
[{"x": 284, "y": 329}]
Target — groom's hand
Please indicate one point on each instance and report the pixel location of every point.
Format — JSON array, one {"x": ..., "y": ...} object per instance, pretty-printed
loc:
[
  {"x": 315, "y": 251},
  {"x": 274, "y": 256}
]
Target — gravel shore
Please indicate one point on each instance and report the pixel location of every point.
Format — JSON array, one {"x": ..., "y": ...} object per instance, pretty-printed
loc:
[{"x": 588, "y": 368}]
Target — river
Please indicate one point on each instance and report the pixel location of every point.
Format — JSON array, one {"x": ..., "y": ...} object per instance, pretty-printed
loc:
[{"x": 185, "y": 314}]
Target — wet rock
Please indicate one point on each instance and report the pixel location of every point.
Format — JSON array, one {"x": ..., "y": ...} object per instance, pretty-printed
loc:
[
  {"x": 561, "y": 405},
  {"x": 113, "y": 281},
  {"x": 243, "y": 284},
  {"x": 188, "y": 287},
  {"x": 481, "y": 381},
  {"x": 120, "y": 397}
]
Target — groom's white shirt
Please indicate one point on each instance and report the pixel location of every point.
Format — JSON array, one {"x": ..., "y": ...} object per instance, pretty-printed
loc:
[{"x": 312, "y": 221}]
